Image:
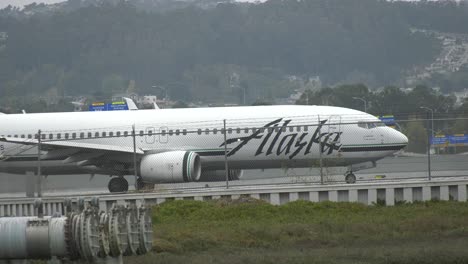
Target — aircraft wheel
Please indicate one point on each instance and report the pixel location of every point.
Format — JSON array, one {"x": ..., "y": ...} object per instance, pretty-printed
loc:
[
  {"x": 118, "y": 184},
  {"x": 350, "y": 178}
]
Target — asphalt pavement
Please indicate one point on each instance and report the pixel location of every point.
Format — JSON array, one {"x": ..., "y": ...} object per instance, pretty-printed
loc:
[{"x": 390, "y": 168}]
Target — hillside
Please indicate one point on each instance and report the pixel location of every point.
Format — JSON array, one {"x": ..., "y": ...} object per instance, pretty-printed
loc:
[{"x": 215, "y": 52}]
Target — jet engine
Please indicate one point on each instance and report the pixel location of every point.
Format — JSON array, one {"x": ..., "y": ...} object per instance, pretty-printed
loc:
[
  {"x": 220, "y": 175},
  {"x": 171, "y": 167}
]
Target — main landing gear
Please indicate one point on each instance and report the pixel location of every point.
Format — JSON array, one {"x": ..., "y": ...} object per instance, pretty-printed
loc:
[
  {"x": 141, "y": 185},
  {"x": 350, "y": 178},
  {"x": 118, "y": 185}
]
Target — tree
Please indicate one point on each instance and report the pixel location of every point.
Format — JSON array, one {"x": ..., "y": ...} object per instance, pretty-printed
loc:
[
  {"x": 417, "y": 137},
  {"x": 112, "y": 84}
]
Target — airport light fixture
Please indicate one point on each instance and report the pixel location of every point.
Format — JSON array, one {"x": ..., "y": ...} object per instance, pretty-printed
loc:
[
  {"x": 432, "y": 118},
  {"x": 429, "y": 141},
  {"x": 363, "y": 100},
  {"x": 161, "y": 88}
]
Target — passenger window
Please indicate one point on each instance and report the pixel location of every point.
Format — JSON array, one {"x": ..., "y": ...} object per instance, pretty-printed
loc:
[
  {"x": 270, "y": 130},
  {"x": 103, "y": 134},
  {"x": 82, "y": 135},
  {"x": 215, "y": 131},
  {"x": 163, "y": 132},
  {"x": 199, "y": 131},
  {"x": 22, "y": 136},
  {"x": 15, "y": 136},
  {"x": 96, "y": 134},
  {"x": 291, "y": 129},
  {"x": 246, "y": 130},
  {"x": 125, "y": 133},
  {"x": 51, "y": 136},
  {"x": 73, "y": 135},
  {"x": 283, "y": 129},
  {"x": 229, "y": 130},
  {"x": 306, "y": 128},
  {"x": 207, "y": 131},
  {"x": 141, "y": 133},
  {"x": 184, "y": 132},
  {"x": 66, "y": 135},
  {"x": 177, "y": 132},
  {"x": 111, "y": 134},
  {"x": 171, "y": 132},
  {"x": 59, "y": 136},
  {"x": 90, "y": 135},
  {"x": 29, "y": 136},
  {"x": 43, "y": 136},
  {"x": 238, "y": 130},
  {"x": 222, "y": 131},
  {"x": 262, "y": 130}
]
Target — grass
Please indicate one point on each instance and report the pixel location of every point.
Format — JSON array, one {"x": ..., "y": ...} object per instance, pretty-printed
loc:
[{"x": 252, "y": 231}]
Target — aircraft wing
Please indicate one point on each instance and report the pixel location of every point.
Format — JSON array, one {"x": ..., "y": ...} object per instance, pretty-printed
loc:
[
  {"x": 102, "y": 158},
  {"x": 71, "y": 144}
]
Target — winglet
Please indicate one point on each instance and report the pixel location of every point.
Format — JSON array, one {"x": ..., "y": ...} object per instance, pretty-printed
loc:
[{"x": 131, "y": 105}]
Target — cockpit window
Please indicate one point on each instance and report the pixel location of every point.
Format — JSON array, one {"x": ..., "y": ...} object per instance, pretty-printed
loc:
[{"x": 370, "y": 125}]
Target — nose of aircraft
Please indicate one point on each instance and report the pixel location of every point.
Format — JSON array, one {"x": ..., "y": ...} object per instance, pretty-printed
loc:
[{"x": 399, "y": 138}]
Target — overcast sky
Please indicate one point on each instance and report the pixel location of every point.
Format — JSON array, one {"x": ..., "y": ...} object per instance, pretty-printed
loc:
[{"x": 21, "y": 3}]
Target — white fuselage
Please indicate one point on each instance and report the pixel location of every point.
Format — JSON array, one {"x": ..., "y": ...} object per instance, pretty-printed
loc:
[{"x": 257, "y": 137}]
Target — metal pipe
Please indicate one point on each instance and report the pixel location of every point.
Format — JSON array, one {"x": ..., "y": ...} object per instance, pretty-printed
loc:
[{"x": 365, "y": 102}]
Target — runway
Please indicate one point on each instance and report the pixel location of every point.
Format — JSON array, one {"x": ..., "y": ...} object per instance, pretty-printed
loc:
[{"x": 389, "y": 169}]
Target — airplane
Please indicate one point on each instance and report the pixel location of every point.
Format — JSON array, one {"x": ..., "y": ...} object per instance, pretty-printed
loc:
[{"x": 190, "y": 145}]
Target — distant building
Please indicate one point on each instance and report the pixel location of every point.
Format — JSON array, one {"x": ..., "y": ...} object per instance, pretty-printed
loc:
[
  {"x": 147, "y": 100},
  {"x": 461, "y": 96}
]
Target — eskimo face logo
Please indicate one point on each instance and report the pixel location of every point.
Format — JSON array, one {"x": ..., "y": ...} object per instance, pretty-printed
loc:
[{"x": 272, "y": 142}]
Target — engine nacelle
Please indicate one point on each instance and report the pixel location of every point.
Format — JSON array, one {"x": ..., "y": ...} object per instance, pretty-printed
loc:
[
  {"x": 220, "y": 175},
  {"x": 171, "y": 167}
]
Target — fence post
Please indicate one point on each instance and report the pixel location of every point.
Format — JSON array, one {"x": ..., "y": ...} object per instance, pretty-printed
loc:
[
  {"x": 39, "y": 173},
  {"x": 134, "y": 158},
  {"x": 226, "y": 167},
  {"x": 320, "y": 149}
]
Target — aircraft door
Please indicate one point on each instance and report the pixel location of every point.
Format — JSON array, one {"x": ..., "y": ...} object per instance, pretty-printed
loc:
[
  {"x": 334, "y": 128},
  {"x": 150, "y": 135},
  {"x": 163, "y": 131}
]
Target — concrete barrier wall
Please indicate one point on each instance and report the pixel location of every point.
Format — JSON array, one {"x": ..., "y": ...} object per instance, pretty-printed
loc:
[{"x": 388, "y": 193}]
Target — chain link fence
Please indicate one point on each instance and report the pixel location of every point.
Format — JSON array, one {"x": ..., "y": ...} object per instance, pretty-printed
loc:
[{"x": 226, "y": 153}]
